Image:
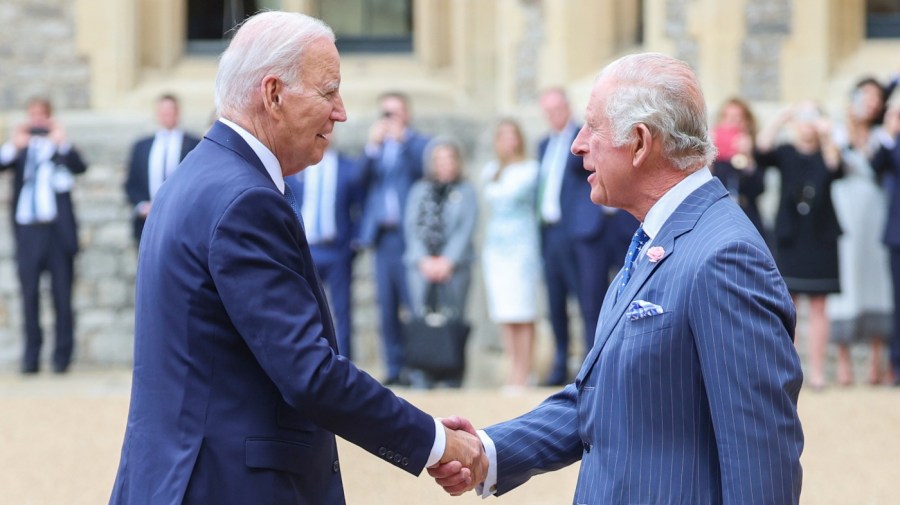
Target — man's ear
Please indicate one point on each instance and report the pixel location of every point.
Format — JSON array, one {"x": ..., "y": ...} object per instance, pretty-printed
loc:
[
  {"x": 272, "y": 89},
  {"x": 642, "y": 146}
]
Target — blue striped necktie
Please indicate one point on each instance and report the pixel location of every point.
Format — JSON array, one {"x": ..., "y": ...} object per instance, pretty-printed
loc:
[{"x": 637, "y": 243}]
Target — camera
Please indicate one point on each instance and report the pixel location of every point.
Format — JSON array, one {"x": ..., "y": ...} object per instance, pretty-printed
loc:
[
  {"x": 387, "y": 114},
  {"x": 38, "y": 131}
]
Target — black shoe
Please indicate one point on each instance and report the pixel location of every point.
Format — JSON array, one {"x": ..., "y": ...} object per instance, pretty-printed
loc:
[
  {"x": 30, "y": 369},
  {"x": 395, "y": 381},
  {"x": 60, "y": 370}
]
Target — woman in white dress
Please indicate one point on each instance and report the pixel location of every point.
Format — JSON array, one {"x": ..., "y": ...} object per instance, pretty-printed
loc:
[
  {"x": 862, "y": 311},
  {"x": 511, "y": 258}
]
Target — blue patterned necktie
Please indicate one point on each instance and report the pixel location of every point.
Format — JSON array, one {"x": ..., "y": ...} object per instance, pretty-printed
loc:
[
  {"x": 289, "y": 196},
  {"x": 637, "y": 243}
]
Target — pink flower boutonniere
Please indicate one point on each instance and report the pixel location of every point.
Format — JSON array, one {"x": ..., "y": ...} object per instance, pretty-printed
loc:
[{"x": 656, "y": 253}]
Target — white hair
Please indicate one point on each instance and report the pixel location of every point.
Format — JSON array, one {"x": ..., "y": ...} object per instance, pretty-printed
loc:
[
  {"x": 662, "y": 93},
  {"x": 268, "y": 43}
]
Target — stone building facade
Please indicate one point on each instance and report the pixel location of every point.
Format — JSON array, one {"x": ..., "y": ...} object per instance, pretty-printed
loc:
[{"x": 469, "y": 61}]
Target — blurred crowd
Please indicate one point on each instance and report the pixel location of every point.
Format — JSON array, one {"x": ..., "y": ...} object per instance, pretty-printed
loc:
[{"x": 411, "y": 200}]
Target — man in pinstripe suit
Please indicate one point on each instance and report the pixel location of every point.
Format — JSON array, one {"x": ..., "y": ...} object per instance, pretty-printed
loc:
[{"x": 689, "y": 394}]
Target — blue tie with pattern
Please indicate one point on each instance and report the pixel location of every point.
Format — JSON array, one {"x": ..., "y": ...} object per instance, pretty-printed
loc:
[
  {"x": 289, "y": 196},
  {"x": 637, "y": 243}
]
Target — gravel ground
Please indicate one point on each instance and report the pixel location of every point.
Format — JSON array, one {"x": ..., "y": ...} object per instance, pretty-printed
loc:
[{"x": 60, "y": 439}]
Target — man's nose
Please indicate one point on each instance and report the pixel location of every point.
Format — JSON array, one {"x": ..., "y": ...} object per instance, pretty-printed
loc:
[{"x": 339, "y": 113}]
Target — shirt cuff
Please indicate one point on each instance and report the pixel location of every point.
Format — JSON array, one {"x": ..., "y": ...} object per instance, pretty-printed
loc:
[
  {"x": 489, "y": 486},
  {"x": 63, "y": 149},
  {"x": 440, "y": 444},
  {"x": 885, "y": 139},
  {"x": 7, "y": 153}
]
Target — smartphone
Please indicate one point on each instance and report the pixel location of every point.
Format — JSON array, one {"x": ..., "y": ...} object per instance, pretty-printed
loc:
[
  {"x": 38, "y": 131},
  {"x": 725, "y": 137}
]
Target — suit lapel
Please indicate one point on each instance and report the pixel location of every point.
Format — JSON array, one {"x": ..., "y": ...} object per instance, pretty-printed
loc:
[{"x": 680, "y": 222}]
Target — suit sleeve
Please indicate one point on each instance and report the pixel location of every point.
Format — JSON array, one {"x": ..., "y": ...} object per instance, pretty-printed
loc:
[
  {"x": 256, "y": 248},
  {"x": 543, "y": 440},
  {"x": 743, "y": 323},
  {"x": 132, "y": 186},
  {"x": 71, "y": 160}
]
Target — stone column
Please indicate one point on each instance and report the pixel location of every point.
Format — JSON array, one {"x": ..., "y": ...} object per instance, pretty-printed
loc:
[{"x": 108, "y": 34}]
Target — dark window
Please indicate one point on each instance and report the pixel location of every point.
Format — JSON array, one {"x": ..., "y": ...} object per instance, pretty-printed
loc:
[
  {"x": 882, "y": 19},
  {"x": 209, "y": 23},
  {"x": 369, "y": 25}
]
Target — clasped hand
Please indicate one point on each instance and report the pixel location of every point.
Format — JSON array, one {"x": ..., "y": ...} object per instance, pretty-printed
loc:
[{"x": 464, "y": 464}]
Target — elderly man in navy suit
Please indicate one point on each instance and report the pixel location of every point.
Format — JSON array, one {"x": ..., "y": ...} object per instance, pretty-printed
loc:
[
  {"x": 238, "y": 389},
  {"x": 45, "y": 226},
  {"x": 580, "y": 242},
  {"x": 154, "y": 159},
  {"x": 689, "y": 394},
  {"x": 330, "y": 198}
]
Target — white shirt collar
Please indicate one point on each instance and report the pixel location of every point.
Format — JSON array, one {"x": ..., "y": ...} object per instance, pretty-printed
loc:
[
  {"x": 665, "y": 206},
  {"x": 265, "y": 155}
]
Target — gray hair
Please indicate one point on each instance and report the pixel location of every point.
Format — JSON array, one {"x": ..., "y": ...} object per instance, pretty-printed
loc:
[
  {"x": 268, "y": 43},
  {"x": 442, "y": 141},
  {"x": 662, "y": 93}
]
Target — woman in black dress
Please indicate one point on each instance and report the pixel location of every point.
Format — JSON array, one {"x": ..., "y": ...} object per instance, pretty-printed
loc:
[{"x": 806, "y": 227}]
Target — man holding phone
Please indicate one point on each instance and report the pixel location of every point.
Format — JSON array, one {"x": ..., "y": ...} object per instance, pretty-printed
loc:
[
  {"x": 392, "y": 163},
  {"x": 44, "y": 224}
]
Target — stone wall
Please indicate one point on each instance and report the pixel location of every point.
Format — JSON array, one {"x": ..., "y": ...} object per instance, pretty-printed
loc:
[
  {"x": 38, "y": 54},
  {"x": 767, "y": 23}
]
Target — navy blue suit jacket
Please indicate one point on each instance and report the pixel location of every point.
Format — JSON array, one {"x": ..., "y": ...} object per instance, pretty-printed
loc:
[
  {"x": 237, "y": 389},
  {"x": 348, "y": 201},
  {"x": 377, "y": 179},
  {"x": 696, "y": 405},
  {"x": 579, "y": 216},
  {"x": 137, "y": 184},
  {"x": 65, "y": 224}
]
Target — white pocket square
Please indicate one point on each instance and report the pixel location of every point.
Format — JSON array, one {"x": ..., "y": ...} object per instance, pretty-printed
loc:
[{"x": 639, "y": 309}]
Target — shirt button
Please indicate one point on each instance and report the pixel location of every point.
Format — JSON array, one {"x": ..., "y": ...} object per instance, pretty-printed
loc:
[
  {"x": 335, "y": 466},
  {"x": 587, "y": 447}
]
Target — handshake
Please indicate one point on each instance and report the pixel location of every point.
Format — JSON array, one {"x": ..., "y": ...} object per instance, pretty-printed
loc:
[{"x": 464, "y": 464}]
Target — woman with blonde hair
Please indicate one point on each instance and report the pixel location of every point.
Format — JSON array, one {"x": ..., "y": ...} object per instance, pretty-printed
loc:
[{"x": 511, "y": 254}]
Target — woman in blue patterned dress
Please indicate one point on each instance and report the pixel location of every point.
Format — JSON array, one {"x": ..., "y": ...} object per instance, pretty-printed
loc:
[{"x": 511, "y": 257}]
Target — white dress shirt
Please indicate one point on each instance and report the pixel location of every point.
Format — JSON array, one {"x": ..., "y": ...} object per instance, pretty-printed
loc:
[
  {"x": 273, "y": 168},
  {"x": 553, "y": 168},
  {"x": 165, "y": 155},
  {"x": 653, "y": 222},
  {"x": 319, "y": 193}
]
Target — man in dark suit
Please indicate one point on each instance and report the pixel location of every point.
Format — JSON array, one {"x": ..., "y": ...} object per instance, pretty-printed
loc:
[
  {"x": 44, "y": 224},
  {"x": 393, "y": 162},
  {"x": 581, "y": 243},
  {"x": 154, "y": 159},
  {"x": 330, "y": 198},
  {"x": 238, "y": 390},
  {"x": 689, "y": 394}
]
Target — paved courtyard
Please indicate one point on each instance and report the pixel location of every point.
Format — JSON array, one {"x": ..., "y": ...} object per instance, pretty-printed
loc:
[{"x": 60, "y": 439}]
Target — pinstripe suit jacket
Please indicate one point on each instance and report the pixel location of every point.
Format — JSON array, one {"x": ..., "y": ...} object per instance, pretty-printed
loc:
[{"x": 694, "y": 406}]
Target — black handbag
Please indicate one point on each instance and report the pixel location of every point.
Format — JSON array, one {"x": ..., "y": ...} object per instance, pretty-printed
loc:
[{"x": 436, "y": 342}]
